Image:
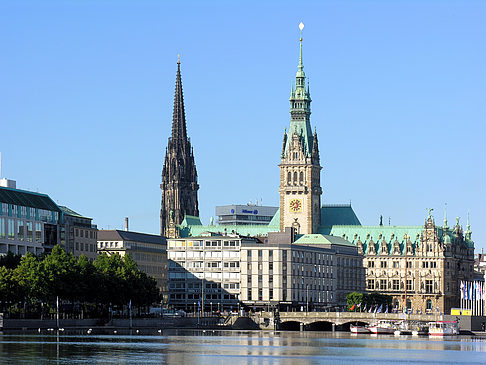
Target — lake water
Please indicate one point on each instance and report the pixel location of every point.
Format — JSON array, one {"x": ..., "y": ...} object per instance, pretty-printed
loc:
[{"x": 232, "y": 347}]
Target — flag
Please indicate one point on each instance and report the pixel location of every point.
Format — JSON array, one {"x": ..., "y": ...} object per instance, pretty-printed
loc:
[
  {"x": 371, "y": 309},
  {"x": 411, "y": 310},
  {"x": 352, "y": 308},
  {"x": 386, "y": 311},
  {"x": 130, "y": 304},
  {"x": 378, "y": 309},
  {"x": 470, "y": 291},
  {"x": 364, "y": 308},
  {"x": 359, "y": 305},
  {"x": 462, "y": 290}
]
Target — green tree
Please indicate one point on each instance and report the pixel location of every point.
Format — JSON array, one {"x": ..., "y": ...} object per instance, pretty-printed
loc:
[
  {"x": 10, "y": 260},
  {"x": 355, "y": 298},
  {"x": 28, "y": 278},
  {"x": 8, "y": 287},
  {"x": 59, "y": 272}
]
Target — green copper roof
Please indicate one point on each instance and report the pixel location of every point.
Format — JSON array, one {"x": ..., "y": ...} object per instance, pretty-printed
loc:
[
  {"x": 190, "y": 220},
  {"x": 337, "y": 214},
  {"x": 27, "y": 199},
  {"x": 322, "y": 239},
  {"x": 300, "y": 111}
]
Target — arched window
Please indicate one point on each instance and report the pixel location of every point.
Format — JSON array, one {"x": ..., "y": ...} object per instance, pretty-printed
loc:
[
  {"x": 289, "y": 178},
  {"x": 295, "y": 177},
  {"x": 428, "y": 304},
  {"x": 301, "y": 178},
  {"x": 409, "y": 304}
]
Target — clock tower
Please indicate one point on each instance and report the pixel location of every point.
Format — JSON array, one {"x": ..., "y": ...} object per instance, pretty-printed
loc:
[{"x": 300, "y": 182}]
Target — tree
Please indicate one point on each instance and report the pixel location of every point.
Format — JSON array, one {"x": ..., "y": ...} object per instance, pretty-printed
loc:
[
  {"x": 354, "y": 298},
  {"x": 28, "y": 278},
  {"x": 10, "y": 260},
  {"x": 8, "y": 288},
  {"x": 58, "y": 270}
]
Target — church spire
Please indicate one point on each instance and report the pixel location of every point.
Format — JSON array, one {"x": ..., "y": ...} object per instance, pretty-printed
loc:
[
  {"x": 179, "y": 133},
  {"x": 179, "y": 175}
]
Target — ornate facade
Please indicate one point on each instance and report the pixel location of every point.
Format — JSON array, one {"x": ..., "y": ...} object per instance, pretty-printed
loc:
[
  {"x": 300, "y": 182},
  {"x": 179, "y": 176},
  {"x": 421, "y": 267}
]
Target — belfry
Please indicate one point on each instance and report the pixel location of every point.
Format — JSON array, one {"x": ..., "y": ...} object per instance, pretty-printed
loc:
[{"x": 179, "y": 176}]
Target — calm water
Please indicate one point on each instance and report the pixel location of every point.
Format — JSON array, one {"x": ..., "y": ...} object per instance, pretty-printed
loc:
[{"x": 225, "y": 347}]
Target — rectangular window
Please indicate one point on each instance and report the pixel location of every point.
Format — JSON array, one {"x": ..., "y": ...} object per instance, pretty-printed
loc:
[
  {"x": 396, "y": 285},
  {"x": 270, "y": 266},
  {"x": 371, "y": 264},
  {"x": 38, "y": 232},
  {"x": 2, "y": 228},
  {"x": 11, "y": 229},
  {"x": 371, "y": 284},
  {"x": 249, "y": 294},
  {"x": 383, "y": 264},
  {"x": 30, "y": 228},
  {"x": 409, "y": 285},
  {"x": 382, "y": 284},
  {"x": 20, "y": 230},
  {"x": 429, "y": 286},
  {"x": 270, "y": 294}
]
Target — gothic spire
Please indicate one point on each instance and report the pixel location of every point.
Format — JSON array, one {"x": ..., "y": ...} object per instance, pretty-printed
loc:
[
  {"x": 179, "y": 175},
  {"x": 179, "y": 134}
]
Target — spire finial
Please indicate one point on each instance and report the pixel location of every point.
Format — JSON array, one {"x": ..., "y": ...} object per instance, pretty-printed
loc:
[
  {"x": 445, "y": 217},
  {"x": 178, "y": 59},
  {"x": 301, "y": 27}
]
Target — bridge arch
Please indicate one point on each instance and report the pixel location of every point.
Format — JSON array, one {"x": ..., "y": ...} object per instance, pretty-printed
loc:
[
  {"x": 319, "y": 326},
  {"x": 346, "y": 325},
  {"x": 290, "y": 326}
]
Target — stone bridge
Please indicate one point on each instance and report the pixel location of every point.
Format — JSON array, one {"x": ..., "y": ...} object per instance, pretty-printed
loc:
[{"x": 331, "y": 320}]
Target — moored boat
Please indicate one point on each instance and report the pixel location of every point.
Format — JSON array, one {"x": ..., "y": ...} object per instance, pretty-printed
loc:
[
  {"x": 443, "y": 328},
  {"x": 358, "y": 329},
  {"x": 382, "y": 328}
]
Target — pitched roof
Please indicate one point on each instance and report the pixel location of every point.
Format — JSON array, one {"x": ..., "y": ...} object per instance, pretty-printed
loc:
[
  {"x": 119, "y": 235},
  {"x": 320, "y": 239},
  {"x": 71, "y": 212},
  {"x": 27, "y": 199},
  {"x": 338, "y": 214}
]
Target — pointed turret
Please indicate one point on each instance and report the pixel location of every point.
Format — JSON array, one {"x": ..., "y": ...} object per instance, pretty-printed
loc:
[
  {"x": 445, "y": 226},
  {"x": 468, "y": 232},
  {"x": 179, "y": 134},
  {"x": 179, "y": 175}
]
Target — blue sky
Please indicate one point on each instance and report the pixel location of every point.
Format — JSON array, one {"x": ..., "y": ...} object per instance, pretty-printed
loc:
[{"x": 398, "y": 91}]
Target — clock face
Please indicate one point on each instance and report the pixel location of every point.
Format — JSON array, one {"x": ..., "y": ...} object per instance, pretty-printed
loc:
[{"x": 295, "y": 205}]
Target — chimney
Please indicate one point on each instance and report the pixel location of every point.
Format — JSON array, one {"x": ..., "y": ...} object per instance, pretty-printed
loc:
[{"x": 126, "y": 224}]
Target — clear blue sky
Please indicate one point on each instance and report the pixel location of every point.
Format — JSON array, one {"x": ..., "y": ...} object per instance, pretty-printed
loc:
[{"x": 398, "y": 91}]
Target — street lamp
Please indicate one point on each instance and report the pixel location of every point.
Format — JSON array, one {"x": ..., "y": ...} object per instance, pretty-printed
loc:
[
  {"x": 211, "y": 306},
  {"x": 307, "y": 297},
  {"x": 194, "y": 309}
]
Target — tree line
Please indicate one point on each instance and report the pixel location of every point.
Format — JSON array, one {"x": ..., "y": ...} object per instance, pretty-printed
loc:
[{"x": 30, "y": 283}]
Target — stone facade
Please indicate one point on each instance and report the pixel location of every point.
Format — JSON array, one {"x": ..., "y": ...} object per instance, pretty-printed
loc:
[
  {"x": 147, "y": 250},
  {"x": 420, "y": 267},
  {"x": 179, "y": 176},
  {"x": 300, "y": 183}
]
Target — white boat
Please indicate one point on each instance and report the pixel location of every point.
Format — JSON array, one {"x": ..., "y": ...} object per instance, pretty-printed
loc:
[
  {"x": 403, "y": 328},
  {"x": 382, "y": 328},
  {"x": 443, "y": 328},
  {"x": 358, "y": 329}
]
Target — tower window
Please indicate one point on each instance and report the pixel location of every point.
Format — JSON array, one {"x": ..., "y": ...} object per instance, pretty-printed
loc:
[
  {"x": 295, "y": 177},
  {"x": 289, "y": 178},
  {"x": 301, "y": 177}
]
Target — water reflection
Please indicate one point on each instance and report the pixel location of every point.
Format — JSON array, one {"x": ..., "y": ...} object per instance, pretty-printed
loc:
[{"x": 225, "y": 347}]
